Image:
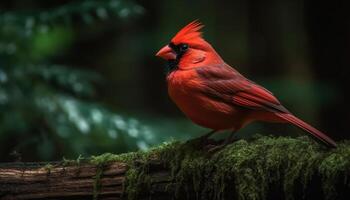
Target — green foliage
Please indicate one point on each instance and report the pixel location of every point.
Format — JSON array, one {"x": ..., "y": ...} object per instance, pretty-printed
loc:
[
  {"x": 88, "y": 11},
  {"x": 287, "y": 167},
  {"x": 44, "y": 106}
]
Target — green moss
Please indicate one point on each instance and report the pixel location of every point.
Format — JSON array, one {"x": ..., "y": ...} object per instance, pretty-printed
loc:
[
  {"x": 48, "y": 167},
  {"x": 109, "y": 157},
  {"x": 133, "y": 175},
  {"x": 335, "y": 168},
  {"x": 97, "y": 181},
  {"x": 254, "y": 169}
]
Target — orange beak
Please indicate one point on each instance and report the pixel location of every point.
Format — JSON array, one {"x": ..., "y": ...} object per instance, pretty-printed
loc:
[{"x": 166, "y": 53}]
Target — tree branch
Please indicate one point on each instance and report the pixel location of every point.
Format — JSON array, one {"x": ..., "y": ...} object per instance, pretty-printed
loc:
[{"x": 264, "y": 168}]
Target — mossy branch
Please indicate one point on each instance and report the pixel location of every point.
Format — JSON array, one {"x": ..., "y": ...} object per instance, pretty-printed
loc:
[{"x": 263, "y": 168}]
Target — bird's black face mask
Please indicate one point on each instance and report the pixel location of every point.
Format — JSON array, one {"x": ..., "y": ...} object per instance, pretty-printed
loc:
[{"x": 180, "y": 50}]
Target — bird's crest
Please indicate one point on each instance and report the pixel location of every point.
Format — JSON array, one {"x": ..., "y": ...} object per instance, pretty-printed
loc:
[{"x": 189, "y": 33}]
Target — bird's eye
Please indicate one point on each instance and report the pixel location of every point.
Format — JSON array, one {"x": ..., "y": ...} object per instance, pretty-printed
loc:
[{"x": 183, "y": 47}]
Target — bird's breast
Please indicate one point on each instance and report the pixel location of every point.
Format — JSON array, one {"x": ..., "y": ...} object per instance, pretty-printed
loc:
[{"x": 185, "y": 89}]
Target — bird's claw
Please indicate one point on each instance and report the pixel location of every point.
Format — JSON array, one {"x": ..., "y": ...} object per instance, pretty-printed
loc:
[
  {"x": 216, "y": 148},
  {"x": 213, "y": 149}
]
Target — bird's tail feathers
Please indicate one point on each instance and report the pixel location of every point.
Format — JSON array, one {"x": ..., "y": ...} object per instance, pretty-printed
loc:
[{"x": 308, "y": 128}]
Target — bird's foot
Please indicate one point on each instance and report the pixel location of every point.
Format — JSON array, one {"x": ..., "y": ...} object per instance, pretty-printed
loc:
[
  {"x": 216, "y": 148},
  {"x": 202, "y": 140},
  {"x": 213, "y": 148}
]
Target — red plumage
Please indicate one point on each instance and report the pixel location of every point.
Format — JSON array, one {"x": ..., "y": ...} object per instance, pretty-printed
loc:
[
  {"x": 188, "y": 33},
  {"x": 213, "y": 94}
]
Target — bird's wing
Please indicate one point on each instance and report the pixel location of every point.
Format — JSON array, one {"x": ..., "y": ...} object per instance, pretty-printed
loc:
[{"x": 225, "y": 84}]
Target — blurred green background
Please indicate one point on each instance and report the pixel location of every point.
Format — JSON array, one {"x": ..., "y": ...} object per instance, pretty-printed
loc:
[{"x": 81, "y": 78}]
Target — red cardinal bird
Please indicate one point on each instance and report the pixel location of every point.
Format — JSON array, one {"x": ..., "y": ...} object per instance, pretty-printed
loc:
[{"x": 213, "y": 94}]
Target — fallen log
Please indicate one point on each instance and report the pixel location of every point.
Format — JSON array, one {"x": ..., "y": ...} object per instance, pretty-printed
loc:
[{"x": 263, "y": 168}]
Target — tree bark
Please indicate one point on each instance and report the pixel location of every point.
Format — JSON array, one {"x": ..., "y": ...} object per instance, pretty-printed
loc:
[{"x": 59, "y": 181}]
